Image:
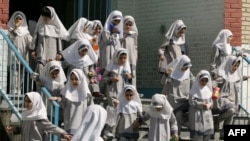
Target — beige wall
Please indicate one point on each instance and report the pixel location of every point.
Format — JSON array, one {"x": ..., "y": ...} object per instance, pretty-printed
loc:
[{"x": 245, "y": 21}]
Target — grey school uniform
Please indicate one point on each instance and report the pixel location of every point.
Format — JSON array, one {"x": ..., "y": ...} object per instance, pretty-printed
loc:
[
  {"x": 22, "y": 43},
  {"x": 217, "y": 57},
  {"x": 170, "y": 52},
  {"x": 36, "y": 130},
  {"x": 130, "y": 43},
  {"x": 73, "y": 114},
  {"x": 177, "y": 93},
  {"x": 108, "y": 43},
  {"x": 161, "y": 129},
  {"x": 201, "y": 120},
  {"x": 124, "y": 129},
  {"x": 227, "y": 103},
  {"x": 113, "y": 89},
  {"x": 46, "y": 48}
]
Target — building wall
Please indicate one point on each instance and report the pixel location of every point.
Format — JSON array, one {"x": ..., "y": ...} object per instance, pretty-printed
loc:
[
  {"x": 4, "y": 13},
  {"x": 245, "y": 21},
  {"x": 232, "y": 20},
  {"x": 204, "y": 19}
]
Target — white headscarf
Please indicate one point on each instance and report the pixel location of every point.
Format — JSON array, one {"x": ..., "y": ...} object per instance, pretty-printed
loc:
[
  {"x": 46, "y": 79},
  {"x": 221, "y": 41},
  {"x": 71, "y": 54},
  {"x": 76, "y": 93},
  {"x": 160, "y": 100},
  {"x": 76, "y": 30},
  {"x": 132, "y": 106},
  {"x": 113, "y": 64},
  {"x": 54, "y": 28},
  {"x": 38, "y": 110},
  {"x": 177, "y": 65},
  {"x": 93, "y": 25},
  {"x": 112, "y": 16},
  {"x": 92, "y": 124},
  {"x": 173, "y": 30},
  {"x": 202, "y": 92},
  {"x": 134, "y": 29},
  {"x": 225, "y": 69},
  {"x": 23, "y": 28}
]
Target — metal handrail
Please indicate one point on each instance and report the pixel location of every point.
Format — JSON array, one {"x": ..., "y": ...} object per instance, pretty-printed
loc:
[
  {"x": 30, "y": 71},
  {"x": 247, "y": 60}
]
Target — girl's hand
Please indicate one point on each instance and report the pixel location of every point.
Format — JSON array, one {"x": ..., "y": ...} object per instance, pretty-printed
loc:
[
  {"x": 68, "y": 137},
  {"x": 115, "y": 102},
  {"x": 58, "y": 57},
  {"x": 128, "y": 75},
  {"x": 10, "y": 128},
  {"x": 169, "y": 71},
  {"x": 115, "y": 79},
  {"x": 136, "y": 124},
  {"x": 53, "y": 98},
  {"x": 33, "y": 54},
  {"x": 204, "y": 105},
  {"x": 39, "y": 83},
  {"x": 162, "y": 57},
  {"x": 175, "y": 137}
]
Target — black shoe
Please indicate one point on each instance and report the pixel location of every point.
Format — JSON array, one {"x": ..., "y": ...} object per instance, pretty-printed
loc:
[{"x": 212, "y": 137}]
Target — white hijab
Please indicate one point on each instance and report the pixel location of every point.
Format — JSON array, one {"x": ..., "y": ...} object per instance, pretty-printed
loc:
[
  {"x": 76, "y": 30},
  {"x": 23, "y": 28},
  {"x": 92, "y": 124},
  {"x": 38, "y": 110},
  {"x": 225, "y": 69},
  {"x": 160, "y": 100},
  {"x": 221, "y": 41},
  {"x": 93, "y": 25},
  {"x": 112, "y": 16},
  {"x": 71, "y": 54},
  {"x": 202, "y": 92},
  {"x": 134, "y": 29},
  {"x": 132, "y": 106},
  {"x": 177, "y": 65},
  {"x": 113, "y": 64},
  {"x": 46, "y": 79},
  {"x": 54, "y": 28},
  {"x": 76, "y": 93},
  {"x": 173, "y": 30}
]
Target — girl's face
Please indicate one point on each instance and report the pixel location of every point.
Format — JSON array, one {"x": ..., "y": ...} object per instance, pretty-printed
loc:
[
  {"x": 74, "y": 80},
  {"x": 54, "y": 74},
  {"x": 27, "y": 103},
  {"x": 128, "y": 26},
  {"x": 122, "y": 59},
  {"x": 203, "y": 81},
  {"x": 97, "y": 30},
  {"x": 18, "y": 19},
  {"x": 85, "y": 28},
  {"x": 181, "y": 32},
  {"x": 46, "y": 19},
  {"x": 83, "y": 52},
  {"x": 116, "y": 22},
  {"x": 158, "y": 109},
  {"x": 229, "y": 39},
  {"x": 184, "y": 68},
  {"x": 129, "y": 95},
  {"x": 235, "y": 67}
]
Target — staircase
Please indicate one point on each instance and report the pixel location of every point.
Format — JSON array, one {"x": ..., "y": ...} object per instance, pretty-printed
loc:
[{"x": 12, "y": 91}]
